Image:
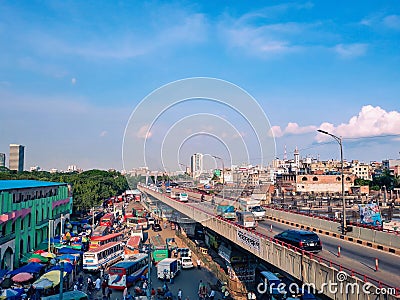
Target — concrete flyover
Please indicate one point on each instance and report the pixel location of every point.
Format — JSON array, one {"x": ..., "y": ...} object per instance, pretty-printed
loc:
[
  {"x": 381, "y": 240},
  {"x": 304, "y": 266}
]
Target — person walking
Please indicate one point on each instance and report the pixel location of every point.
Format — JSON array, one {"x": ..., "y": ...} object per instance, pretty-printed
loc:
[
  {"x": 97, "y": 284},
  {"x": 179, "y": 294},
  {"x": 198, "y": 264},
  {"x": 125, "y": 293},
  {"x": 212, "y": 295}
]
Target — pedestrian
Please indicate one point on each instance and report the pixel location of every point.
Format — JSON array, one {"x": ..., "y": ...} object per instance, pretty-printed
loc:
[
  {"x": 129, "y": 296},
  {"x": 179, "y": 294},
  {"x": 212, "y": 294},
  {"x": 198, "y": 264},
  {"x": 76, "y": 286},
  {"x": 108, "y": 292},
  {"x": 125, "y": 293},
  {"x": 97, "y": 284},
  {"x": 171, "y": 278},
  {"x": 144, "y": 287},
  {"x": 103, "y": 287},
  {"x": 153, "y": 294}
]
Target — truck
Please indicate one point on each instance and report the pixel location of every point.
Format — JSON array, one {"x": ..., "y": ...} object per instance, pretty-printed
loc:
[
  {"x": 226, "y": 211},
  {"x": 252, "y": 205},
  {"x": 167, "y": 268}
]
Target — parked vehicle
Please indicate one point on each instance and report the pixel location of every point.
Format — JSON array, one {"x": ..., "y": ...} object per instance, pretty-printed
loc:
[
  {"x": 150, "y": 221},
  {"x": 303, "y": 239},
  {"x": 167, "y": 268},
  {"x": 186, "y": 262},
  {"x": 103, "y": 256},
  {"x": 271, "y": 287}
]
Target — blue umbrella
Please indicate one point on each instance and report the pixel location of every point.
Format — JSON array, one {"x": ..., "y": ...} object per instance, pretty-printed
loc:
[{"x": 68, "y": 257}]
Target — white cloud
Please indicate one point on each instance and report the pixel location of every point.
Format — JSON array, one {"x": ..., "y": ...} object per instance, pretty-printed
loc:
[
  {"x": 293, "y": 129},
  {"x": 73, "y": 81},
  {"x": 144, "y": 132},
  {"x": 381, "y": 21},
  {"x": 351, "y": 50},
  {"x": 103, "y": 133},
  {"x": 370, "y": 121},
  {"x": 392, "y": 21}
]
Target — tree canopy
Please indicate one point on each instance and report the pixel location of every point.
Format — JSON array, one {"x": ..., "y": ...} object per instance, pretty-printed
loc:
[{"x": 89, "y": 188}]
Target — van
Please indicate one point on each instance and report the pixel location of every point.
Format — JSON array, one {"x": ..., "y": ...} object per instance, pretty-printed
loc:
[
  {"x": 270, "y": 286},
  {"x": 167, "y": 268}
]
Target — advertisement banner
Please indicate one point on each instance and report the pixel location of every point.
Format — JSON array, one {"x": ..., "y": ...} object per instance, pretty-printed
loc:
[
  {"x": 248, "y": 239},
  {"x": 370, "y": 214}
]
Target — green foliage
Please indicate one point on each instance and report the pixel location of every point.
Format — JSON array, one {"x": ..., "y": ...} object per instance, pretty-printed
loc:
[{"x": 89, "y": 188}]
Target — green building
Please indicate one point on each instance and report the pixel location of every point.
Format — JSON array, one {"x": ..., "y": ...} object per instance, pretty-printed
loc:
[{"x": 27, "y": 209}]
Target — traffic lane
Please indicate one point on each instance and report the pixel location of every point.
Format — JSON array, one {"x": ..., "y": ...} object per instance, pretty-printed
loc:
[
  {"x": 358, "y": 257},
  {"x": 353, "y": 256}
]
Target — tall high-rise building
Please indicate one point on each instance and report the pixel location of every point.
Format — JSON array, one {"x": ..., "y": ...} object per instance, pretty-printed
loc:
[
  {"x": 196, "y": 164},
  {"x": 16, "y": 159},
  {"x": 2, "y": 159}
]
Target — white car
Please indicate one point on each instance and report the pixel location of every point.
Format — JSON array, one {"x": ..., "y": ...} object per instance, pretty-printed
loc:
[
  {"x": 150, "y": 221},
  {"x": 183, "y": 197},
  {"x": 186, "y": 263}
]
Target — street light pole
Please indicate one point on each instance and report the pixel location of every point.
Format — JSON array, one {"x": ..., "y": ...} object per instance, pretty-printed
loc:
[
  {"x": 339, "y": 140},
  {"x": 223, "y": 175}
]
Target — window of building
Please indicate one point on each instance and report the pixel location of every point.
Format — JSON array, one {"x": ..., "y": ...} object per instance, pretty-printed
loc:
[
  {"x": 348, "y": 179},
  {"x": 304, "y": 178},
  {"x": 338, "y": 178},
  {"x": 13, "y": 227},
  {"x": 315, "y": 178}
]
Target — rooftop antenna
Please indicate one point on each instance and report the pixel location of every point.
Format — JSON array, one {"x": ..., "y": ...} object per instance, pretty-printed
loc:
[{"x": 285, "y": 154}]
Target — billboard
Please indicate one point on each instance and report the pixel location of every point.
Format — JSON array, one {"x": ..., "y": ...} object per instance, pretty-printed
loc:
[{"x": 370, "y": 214}]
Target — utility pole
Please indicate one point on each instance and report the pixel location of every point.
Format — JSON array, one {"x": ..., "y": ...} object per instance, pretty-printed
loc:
[
  {"x": 339, "y": 140},
  {"x": 61, "y": 280},
  {"x": 92, "y": 218},
  {"x": 148, "y": 292},
  {"x": 223, "y": 176}
]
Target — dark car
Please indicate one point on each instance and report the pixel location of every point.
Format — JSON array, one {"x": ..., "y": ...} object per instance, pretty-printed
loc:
[
  {"x": 303, "y": 239},
  {"x": 157, "y": 227}
]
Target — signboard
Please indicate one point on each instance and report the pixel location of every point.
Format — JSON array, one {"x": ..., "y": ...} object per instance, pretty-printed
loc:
[
  {"x": 370, "y": 214},
  {"x": 248, "y": 239},
  {"x": 217, "y": 172}
]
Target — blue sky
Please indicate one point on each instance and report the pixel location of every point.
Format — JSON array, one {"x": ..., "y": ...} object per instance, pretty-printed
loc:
[{"x": 72, "y": 72}]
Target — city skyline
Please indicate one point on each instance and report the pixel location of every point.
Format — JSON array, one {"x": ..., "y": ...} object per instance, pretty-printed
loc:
[{"x": 72, "y": 74}]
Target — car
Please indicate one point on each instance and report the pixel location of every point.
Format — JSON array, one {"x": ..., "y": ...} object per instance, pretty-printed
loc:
[
  {"x": 186, "y": 262},
  {"x": 157, "y": 227},
  {"x": 303, "y": 239},
  {"x": 183, "y": 197},
  {"x": 150, "y": 221}
]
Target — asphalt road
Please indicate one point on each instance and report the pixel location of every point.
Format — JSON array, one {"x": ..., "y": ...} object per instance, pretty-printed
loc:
[{"x": 356, "y": 257}]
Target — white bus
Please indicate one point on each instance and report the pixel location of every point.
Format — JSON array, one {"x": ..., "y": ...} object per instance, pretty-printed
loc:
[
  {"x": 102, "y": 256},
  {"x": 246, "y": 219}
]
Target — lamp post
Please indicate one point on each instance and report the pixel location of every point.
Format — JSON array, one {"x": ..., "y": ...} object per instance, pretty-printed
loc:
[
  {"x": 339, "y": 140},
  {"x": 223, "y": 175}
]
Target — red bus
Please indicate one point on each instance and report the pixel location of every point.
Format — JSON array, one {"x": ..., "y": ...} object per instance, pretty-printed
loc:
[
  {"x": 107, "y": 220},
  {"x": 98, "y": 241}
]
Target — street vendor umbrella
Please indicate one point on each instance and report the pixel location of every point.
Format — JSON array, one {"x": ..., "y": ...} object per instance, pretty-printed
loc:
[
  {"x": 29, "y": 256},
  {"x": 35, "y": 259},
  {"x": 8, "y": 294},
  {"x": 67, "y": 257},
  {"x": 48, "y": 255},
  {"x": 43, "y": 284},
  {"x": 6, "y": 283},
  {"x": 22, "y": 277},
  {"x": 39, "y": 251}
]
